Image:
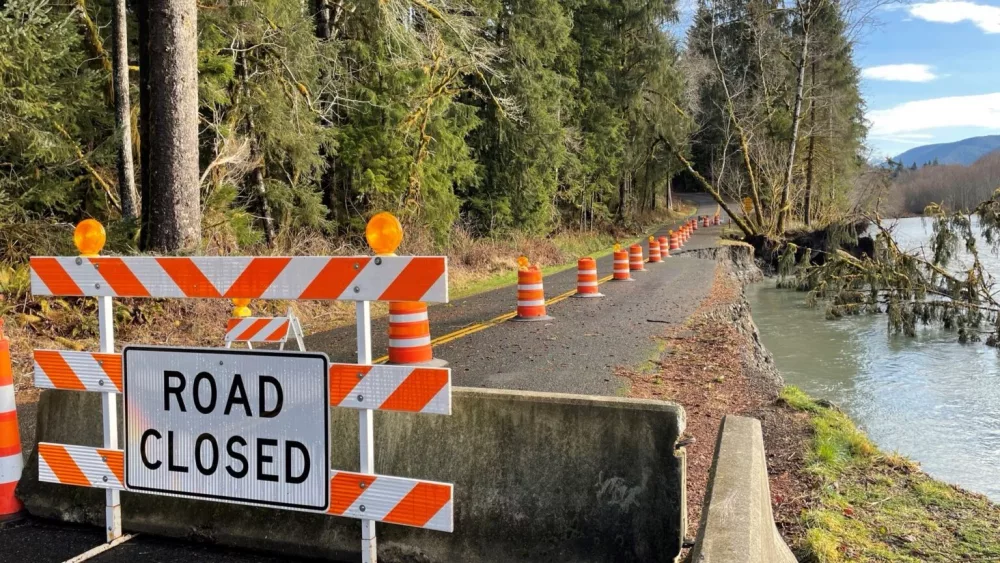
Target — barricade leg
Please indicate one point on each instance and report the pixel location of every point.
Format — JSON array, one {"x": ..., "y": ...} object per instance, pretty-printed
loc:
[
  {"x": 366, "y": 428},
  {"x": 109, "y": 404}
]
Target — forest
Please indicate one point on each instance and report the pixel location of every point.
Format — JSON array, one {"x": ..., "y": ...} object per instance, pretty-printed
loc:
[
  {"x": 273, "y": 120},
  {"x": 954, "y": 187}
]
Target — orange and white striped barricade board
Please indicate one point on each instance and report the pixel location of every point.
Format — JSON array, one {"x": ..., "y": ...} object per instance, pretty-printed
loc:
[
  {"x": 363, "y": 495},
  {"x": 268, "y": 330}
]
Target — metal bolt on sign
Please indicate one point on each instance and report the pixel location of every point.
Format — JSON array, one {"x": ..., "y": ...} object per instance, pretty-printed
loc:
[{"x": 287, "y": 416}]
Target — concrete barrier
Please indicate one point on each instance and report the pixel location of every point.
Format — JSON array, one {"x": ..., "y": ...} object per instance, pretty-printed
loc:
[
  {"x": 538, "y": 477},
  {"x": 737, "y": 525}
]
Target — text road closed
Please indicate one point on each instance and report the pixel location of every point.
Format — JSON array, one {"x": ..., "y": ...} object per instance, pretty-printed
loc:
[{"x": 229, "y": 425}]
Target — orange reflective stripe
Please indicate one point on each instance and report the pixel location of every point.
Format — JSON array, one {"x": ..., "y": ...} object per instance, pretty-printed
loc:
[
  {"x": 112, "y": 366},
  {"x": 420, "y": 505},
  {"x": 65, "y": 469},
  {"x": 343, "y": 379},
  {"x": 334, "y": 278},
  {"x": 407, "y": 307},
  {"x": 120, "y": 277},
  {"x": 254, "y": 328},
  {"x": 188, "y": 277},
  {"x": 409, "y": 330},
  {"x": 54, "y": 276},
  {"x": 419, "y": 275},
  {"x": 10, "y": 438},
  {"x": 345, "y": 488},
  {"x": 58, "y": 371},
  {"x": 416, "y": 390},
  {"x": 115, "y": 460},
  {"x": 259, "y": 274},
  {"x": 278, "y": 333},
  {"x": 6, "y": 375}
]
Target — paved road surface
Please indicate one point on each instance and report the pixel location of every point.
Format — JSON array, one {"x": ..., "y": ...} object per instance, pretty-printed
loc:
[{"x": 576, "y": 352}]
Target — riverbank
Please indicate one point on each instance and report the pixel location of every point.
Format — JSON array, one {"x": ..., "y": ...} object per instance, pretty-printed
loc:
[{"x": 835, "y": 496}]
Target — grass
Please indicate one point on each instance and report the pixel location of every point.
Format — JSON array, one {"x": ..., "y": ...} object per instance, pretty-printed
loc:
[{"x": 878, "y": 507}]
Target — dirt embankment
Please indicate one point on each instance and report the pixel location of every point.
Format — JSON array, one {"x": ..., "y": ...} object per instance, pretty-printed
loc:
[{"x": 714, "y": 365}]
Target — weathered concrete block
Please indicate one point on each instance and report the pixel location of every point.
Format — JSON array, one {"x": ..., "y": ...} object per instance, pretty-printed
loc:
[
  {"x": 538, "y": 477},
  {"x": 737, "y": 525}
]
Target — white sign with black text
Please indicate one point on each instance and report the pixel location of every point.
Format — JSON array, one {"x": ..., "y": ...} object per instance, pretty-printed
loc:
[{"x": 245, "y": 426}]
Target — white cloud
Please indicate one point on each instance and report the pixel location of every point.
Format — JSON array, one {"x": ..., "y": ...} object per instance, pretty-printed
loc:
[
  {"x": 957, "y": 111},
  {"x": 900, "y": 73},
  {"x": 985, "y": 17}
]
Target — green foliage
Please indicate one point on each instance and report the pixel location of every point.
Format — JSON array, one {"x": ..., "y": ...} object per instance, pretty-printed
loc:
[
  {"x": 50, "y": 109},
  {"x": 869, "y": 506}
]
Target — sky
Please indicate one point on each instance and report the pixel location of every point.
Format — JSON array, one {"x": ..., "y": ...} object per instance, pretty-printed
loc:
[{"x": 930, "y": 72}]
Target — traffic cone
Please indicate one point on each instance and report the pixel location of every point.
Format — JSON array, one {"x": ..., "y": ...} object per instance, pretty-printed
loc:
[
  {"x": 410, "y": 335},
  {"x": 10, "y": 438},
  {"x": 621, "y": 271},
  {"x": 635, "y": 258},
  {"x": 675, "y": 240},
  {"x": 654, "y": 250},
  {"x": 664, "y": 247},
  {"x": 586, "y": 278},
  {"x": 530, "y": 293}
]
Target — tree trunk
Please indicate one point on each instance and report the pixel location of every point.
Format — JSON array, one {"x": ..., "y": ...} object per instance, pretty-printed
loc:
[
  {"x": 708, "y": 187},
  {"x": 784, "y": 205},
  {"x": 168, "y": 103},
  {"x": 123, "y": 113},
  {"x": 812, "y": 152},
  {"x": 322, "y": 19}
]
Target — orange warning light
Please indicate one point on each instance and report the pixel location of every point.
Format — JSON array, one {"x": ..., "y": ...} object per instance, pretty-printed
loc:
[
  {"x": 522, "y": 262},
  {"x": 618, "y": 247},
  {"x": 89, "y": 237},
  {"x": 384, "y": 233},
  {"x": 652, "y": 239},
  {"x": 240, "y": 308}
]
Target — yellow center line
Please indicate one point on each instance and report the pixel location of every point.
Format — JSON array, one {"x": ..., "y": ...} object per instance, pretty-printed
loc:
[{"x": 472, "y": 329}]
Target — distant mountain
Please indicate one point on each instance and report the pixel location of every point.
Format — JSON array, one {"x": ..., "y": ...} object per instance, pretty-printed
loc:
[{"x": 963, "y": 152}]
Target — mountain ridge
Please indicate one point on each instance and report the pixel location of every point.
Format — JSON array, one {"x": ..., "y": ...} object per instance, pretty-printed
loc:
[{"x": 963, "y": 152}]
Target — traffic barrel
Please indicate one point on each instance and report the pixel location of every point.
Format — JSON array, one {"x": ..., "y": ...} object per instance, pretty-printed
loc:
[
  {"x": 704, "y": 220},
  {"x": 530, "y": 293},
  {"x": 675, "y": 240},
  {"x": 410, "y": 335},
  {"x": 621, "y": 271},
  {"x": 10, "y": 438},
  {"x": 635, "y": 258},
  {"x": 716, "y": 220},
  {"x": 586, "y": 278},
  {"x": 694, "y": 224},
  {"x": 654, "y": 250},
  {"x": 664, "y": 247}
]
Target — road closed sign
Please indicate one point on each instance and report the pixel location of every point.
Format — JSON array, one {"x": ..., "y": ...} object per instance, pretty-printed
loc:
[{"x": 245, "y": 426}]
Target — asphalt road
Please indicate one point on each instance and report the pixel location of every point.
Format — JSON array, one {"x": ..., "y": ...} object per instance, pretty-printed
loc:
[{"x": 575, "y": 352}]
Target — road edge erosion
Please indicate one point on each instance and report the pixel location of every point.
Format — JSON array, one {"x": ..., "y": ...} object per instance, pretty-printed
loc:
[
  {"x": 538, "y": 477},
  {"x": 835, "y": 496}
]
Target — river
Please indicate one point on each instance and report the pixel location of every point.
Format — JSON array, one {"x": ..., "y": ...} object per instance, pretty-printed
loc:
[{"x": 927, "y": 397}]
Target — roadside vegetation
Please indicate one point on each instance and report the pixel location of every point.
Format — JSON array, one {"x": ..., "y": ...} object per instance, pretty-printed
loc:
[{"x": 871, "y": 506}]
